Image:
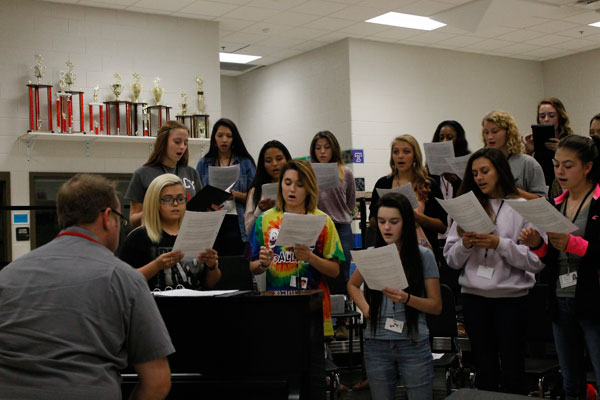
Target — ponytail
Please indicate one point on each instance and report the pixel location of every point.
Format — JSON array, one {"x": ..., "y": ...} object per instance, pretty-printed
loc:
[{"x": 587, "y": 150}]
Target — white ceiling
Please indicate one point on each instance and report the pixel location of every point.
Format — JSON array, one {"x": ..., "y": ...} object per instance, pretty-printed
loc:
[{"x": 278, "y": 29}]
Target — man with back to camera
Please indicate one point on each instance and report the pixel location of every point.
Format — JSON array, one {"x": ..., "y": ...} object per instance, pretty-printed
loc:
[{"x": 72, "y": 314}]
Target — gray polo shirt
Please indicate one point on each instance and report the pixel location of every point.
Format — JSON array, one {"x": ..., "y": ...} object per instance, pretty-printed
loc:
[
  {"x": 71, "y": 316},
  {"x": 143, "y": 177},
  {"x": 528, "y": 174}
]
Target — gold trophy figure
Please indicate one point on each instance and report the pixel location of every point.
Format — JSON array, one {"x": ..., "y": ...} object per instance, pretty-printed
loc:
[
  {"x": 95, "y": 95},
  {"x": 184, "y": 104},
  {"x": 157, "y": 91},
  {"x": 200, "y": 92},
  {"x": 136, "y": 88},
  {"x": 117, "y": 87},
  {"x": 38, "y": 68},
  {"x": 70, "y": 75}
]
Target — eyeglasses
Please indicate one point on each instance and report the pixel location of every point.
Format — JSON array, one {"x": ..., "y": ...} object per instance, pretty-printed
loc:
[
  {"x": 174, "y": 200},
  {"x": 124, "y": 221}
]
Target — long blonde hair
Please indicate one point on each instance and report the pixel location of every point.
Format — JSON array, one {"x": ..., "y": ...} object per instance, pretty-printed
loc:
[
  {"x": 506, "y": 122},
  {"x": 420, "y": 184},
  {"x": 307, "y": 176},
  {"x": 151, "y": 205}
]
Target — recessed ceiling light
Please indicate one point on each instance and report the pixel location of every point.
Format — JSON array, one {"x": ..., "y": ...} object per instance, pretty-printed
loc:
[
  {"x": 237, "y": 58},
  {"x": 406, "y": 21},
  {"x": 596, "y": 24}
]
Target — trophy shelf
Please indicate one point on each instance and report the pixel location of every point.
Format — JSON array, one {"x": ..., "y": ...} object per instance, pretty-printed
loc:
[{"x": 30, "y": 138}]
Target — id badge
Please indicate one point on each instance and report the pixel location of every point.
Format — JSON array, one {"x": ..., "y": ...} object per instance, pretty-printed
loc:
[
  {"x": 293, "y": 281},
  {"x": 303, "y": 282},
  {"x": 568, "y": 280},
  {"x": 394, "y": 325},
  {"x": 485, "y": 272}
]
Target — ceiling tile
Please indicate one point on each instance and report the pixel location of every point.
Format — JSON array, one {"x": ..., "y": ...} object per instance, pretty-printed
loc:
[
  {"x": 291, "y": 18},
  {"x": 546, "y": 52},
  {"x": 257, "y": 50},
  {"x": 309, "y": 45},
  {"x": 93, "y": 3},
  {"x": 588, "y": 17},
  {"x": 431, "y": 37},
  {"x": 365, "y": 28},
  {"x": 303, "y": 33},
  {"x": 266, "y": 28},
  {"x": 319, "y": 7},
  {"x": 335, "y": 36},
  {"x": 396, "y": 33},
  {"x": 575, "y": 44},
  {"x": 492, "y": 31},
  {"x": 523, "y": 21},
  {"x": 280, "y": 41},
  {"x": 233, "y": 24},
  {"x": 580, "y": 32},
  {"x": 520, "y": 35},
  {"x": 489, "y": 44},
  {"x": 251, "y": 13},
  {"x": 425, "y": 7},
  {"x": 518, "y": 48},
  {"x": 329, "y": 24},
  {"x": 171, "y": 5},
  {"x": 208, "y": 8},
  {"x": 553, "y": 26},
  {"x": 243, "y": 37},
  {"x": 230, "y": 47},
  {"x": 276, "y": 4},
  {"x": 356, "y": 13},
  {"x": 548, "y": 40},
  {"x": 461, "y": 41}
]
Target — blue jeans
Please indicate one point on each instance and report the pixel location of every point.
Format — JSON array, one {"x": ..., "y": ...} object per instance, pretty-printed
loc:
[
  {"x": 384, "y": 359},
  {"x": 570, "y": 336}
]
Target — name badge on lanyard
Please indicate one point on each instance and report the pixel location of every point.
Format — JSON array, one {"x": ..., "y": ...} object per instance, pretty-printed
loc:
[
  {"x": 568, "y": 280},
  {"x": 394, "y": 325},
  {"x": 485, "y": 271}
]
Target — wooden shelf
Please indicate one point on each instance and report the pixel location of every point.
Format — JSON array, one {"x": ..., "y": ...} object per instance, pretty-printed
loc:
[{"x": 31, "y": 137}]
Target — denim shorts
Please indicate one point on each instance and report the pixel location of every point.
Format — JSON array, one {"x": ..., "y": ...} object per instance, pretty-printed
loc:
[{"x": 385, "y": 359}]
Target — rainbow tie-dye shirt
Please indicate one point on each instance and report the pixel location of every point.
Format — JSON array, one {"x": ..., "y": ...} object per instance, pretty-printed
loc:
[{"x": 284, "y": 265}]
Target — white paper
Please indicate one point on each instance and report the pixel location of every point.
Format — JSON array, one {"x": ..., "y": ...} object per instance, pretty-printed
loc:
[
  {"x": 406, "y": 190},
  {"x": 269, "y": 191},
  {"x": 458, "y": 165},
  {"x": 223, "y": 177},
  {"x": 468, "y": 213},
  {"x": 300, "y": 229},
  {"x": 436, "y": 155},
  {"x": 381, "y": 267},
  {"x": 192, "y": 293},
  {"x": 543, "y": 215},
  {"x": 327, "y": 174},
  {"x": 198, "y": 232}
]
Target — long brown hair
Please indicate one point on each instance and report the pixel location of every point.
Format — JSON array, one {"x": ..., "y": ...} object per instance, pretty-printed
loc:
[
  {"x": 336, "y": 152},
  {"x": 563, "y": 119},
  {"x": 162, "y": 140},
  {"x": 420, "y": 184}
]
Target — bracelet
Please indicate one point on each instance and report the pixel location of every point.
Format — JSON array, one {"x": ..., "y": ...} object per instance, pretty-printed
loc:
[
  {"x": 539, "y": 246},
  {"x": 407, "y": 299}
]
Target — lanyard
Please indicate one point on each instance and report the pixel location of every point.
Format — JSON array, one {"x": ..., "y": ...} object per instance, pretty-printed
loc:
[
  {"x": 81, "y": 235},
  {"x": 495, "y": 219},
  {"x": 176, "y": 172},
  {"x": 564, "y": 210}
]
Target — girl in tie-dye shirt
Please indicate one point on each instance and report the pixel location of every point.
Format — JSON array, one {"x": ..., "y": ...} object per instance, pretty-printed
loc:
[{"x": 298, "y": 267}]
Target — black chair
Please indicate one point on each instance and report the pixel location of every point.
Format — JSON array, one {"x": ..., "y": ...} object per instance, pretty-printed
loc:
[
  {"x": 541, "y": 361},
  {"x": 235, "y": 274},
  {"x": 443, "y": 337}
]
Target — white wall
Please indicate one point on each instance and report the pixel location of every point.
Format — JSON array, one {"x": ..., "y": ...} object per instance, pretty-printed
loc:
[
  {"x": 229, "y": 98},
  {"x": 99, "y": 42},
  {"x": 398, "y": 89},
  {"x": 575, "y": 81},
  {"x": 292, "y": 100}
]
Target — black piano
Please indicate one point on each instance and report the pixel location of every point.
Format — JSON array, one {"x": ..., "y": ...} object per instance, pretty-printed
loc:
[{"x": 245, "y": 346}]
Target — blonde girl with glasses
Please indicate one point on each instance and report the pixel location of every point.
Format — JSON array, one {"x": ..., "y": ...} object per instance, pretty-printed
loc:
[{"x": 149, "y": 248}]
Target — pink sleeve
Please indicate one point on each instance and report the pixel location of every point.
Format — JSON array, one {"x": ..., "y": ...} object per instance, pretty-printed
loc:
[
  {"x": 577, "y": 245},
  {"x": 542, "y": 251}
]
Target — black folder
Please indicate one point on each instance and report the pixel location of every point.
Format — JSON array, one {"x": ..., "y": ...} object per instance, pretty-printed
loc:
[
  {"x": 541, "y": 135},
  {"x": 205, "y": 197}
]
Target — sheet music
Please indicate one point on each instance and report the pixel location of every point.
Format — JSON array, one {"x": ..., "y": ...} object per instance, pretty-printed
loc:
[
  {"x": 223, "y": 177},
  {"x": 381, "y": 267},
  {"x": 468, "y": 213},
  {"x": 406, "y": 190},
  {"x": 459, "y": 164},
  {"x": 198, "y": 232},
  {"x": 192, "y": 293},
  {"x": 436, "y": 155},
  {"x": 543, "y": 215},
  {"x": 269, "y": 191},
  {"x": 300, "y": 229},
  {"x": 327, "y": 174}
]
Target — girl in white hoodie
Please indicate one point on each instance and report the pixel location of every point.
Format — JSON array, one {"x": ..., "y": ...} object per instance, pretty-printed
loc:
[{"x": 497, "y": 272}]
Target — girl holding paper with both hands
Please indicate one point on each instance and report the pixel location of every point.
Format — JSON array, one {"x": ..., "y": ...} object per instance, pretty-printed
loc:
[
  {"x": 497, "y": 272},
  {"x": 297, "y": 193},
  {"x": 149, "y": 248},
  {"x": 396, "y": 337},
  {"x": 572, "y": 261}
]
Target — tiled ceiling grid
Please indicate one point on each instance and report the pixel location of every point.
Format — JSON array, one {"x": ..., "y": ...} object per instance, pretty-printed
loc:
[{"x": 279, "y": 29}]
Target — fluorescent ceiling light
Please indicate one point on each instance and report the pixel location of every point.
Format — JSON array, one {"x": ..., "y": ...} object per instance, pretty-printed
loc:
[
  {"x": 406, "y": 21},
  {"x": 596, "y": 24},
  {"x": 237, "y": 58}
]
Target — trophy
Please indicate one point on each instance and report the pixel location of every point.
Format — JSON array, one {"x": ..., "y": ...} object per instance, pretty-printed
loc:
[
  {"x": 95, "y": 95},
  {"x": 157, "y": 91},
  {"x": 136, "y": 88},
  {"x": 96, "y": 126},
  {"x": 184, "y": 104},
  {"x": 38, "y": 68},
  {"x": 200, "y": 100},
  {"x": 69, "y": 76},
  {"x": 117, "y": 87}
]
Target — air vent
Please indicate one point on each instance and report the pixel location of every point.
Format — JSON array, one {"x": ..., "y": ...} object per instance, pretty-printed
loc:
[{"x": 225, "y": 66}]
